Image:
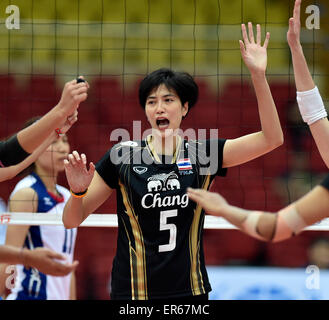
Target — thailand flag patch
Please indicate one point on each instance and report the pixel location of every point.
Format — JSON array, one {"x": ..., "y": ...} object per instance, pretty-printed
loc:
[{"x": 184, "y": 164}]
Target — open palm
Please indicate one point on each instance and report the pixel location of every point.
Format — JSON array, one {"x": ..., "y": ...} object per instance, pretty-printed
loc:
[
  {"x": 253, "y": 53},
  {"x": 77, "y": 174}
]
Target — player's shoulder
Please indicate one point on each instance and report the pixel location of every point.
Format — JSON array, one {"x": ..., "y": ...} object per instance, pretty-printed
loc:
[
  {"x": 24, "y": 186},
  {"x": 23, "y": 200}
]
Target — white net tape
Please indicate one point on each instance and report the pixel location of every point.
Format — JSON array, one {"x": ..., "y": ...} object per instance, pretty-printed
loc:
[{"x": 110, "y": 220}]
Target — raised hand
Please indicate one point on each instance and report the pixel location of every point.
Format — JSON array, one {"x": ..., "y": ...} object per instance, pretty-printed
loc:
[
  {"x": 77, "y": 174},
  {"x": 253, "y": 53},
  {"x": 213, "y": 203},
  {"x": 73, "y": 94},
  {"x": 44, "y": 260},
  {"x": 293, "y": 34}
]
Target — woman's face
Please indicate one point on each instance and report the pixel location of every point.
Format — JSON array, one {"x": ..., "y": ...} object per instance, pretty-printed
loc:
[
  {"x": 164, "y": 111},
  {"x": 52, "y": 160}
]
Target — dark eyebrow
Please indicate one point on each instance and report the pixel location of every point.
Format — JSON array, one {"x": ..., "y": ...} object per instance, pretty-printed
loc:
[
  {"x": 168, "y": 95},
  {"x": 165, "y": 96}
]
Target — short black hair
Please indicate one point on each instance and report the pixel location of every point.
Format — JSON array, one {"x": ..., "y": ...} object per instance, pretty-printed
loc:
[{"x": 182, "y": 82}]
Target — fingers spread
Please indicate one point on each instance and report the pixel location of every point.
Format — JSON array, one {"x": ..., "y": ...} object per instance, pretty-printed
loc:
[
  {"x": 251, "y": 32},
  {"x": 76, "y": 156},
  {"x": 244, "y": 34},
  {"x": 267, "y": 39},
  {"x": 259, "y": 34},
  {"x": 71, "y": 159},
  {"x": 242, "y": 48},
  {"x": 91, "y": 168},
  {"x": 84, "y": 158}
]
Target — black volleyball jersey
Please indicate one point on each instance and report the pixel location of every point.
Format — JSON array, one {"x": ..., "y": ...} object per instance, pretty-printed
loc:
[{"x": 159, "y": 246}]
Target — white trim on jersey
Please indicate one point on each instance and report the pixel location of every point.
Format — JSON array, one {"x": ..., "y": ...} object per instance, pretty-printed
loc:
[{"x": 55, "y": 238}]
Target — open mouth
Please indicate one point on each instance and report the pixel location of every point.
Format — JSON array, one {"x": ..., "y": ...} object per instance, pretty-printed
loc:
[{"x": 162, "y": 123}]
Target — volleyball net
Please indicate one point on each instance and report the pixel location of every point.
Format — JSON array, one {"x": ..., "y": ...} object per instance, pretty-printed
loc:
[
  {"x": 111, "y": 220},
  {"x": 114, "y": 44}
]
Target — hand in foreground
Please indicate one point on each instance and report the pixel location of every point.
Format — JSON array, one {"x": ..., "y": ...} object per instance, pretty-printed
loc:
[
  {"x": 212, "y": 202},
  {"x": 253, "y": 53},
  {"x": 77, "y": 174},
  {"x": 73, "y": 94},
  {"x": 293, "y": 34},
  {"x": 44, "y": 260}
]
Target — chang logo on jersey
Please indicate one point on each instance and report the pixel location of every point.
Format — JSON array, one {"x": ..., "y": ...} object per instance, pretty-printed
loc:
[{"x": 163, "y": 182}]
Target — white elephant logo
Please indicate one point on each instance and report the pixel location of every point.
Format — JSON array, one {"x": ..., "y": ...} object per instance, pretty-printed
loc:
[
  {"x": 154, "y": 185},
  {"x": 163, "y": 182},
  {"x": 172, "y": 184}
]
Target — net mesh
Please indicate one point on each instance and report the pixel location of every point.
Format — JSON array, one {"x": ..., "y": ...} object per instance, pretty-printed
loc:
[{"x": 115, "y": 43}]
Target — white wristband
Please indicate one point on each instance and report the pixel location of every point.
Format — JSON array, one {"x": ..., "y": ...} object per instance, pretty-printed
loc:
[{"x": 311, "y": 106}]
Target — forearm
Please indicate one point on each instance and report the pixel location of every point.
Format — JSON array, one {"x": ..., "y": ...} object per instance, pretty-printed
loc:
[
  {"x": 320, "y": 133},
  {"x": 11, "y": 254},
  {"x": 31, "y": 137},
  {"x": 303, "y": 78},
  {"x": 265, "y": 225},
  {"x": 10, "y": 172},
  {"x": 268, "y": 115},
  {"x": 73, "y": 214}
]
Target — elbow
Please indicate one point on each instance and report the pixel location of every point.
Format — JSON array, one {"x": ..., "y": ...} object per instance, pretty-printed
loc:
[
  {"x": 276, "y": 142},
  {"x": 68, "y": 224},
  {"x": 280, "y": 141}
]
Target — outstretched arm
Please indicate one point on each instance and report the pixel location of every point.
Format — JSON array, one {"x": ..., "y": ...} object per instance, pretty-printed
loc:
[
  {"x": 7, "y": 173},
  {"x": 266, "y": 226},
  {"x": 73, "y": 94},
  {"x": 308, "y": 97},
  {"x": 248, "y": 147}
]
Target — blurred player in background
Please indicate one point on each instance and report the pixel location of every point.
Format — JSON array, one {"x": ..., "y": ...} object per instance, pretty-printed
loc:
[
  {"x": 15, "y": 156},
  {"x": 38, "y": 192}
]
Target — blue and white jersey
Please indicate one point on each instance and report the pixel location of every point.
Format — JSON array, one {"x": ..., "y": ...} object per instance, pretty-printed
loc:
[
  {"x": 30, "y": 283},
  {"x": 3, "y": 227}
]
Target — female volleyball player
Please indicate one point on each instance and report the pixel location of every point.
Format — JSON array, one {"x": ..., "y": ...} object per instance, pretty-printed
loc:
[
  {"x": 21, "y": 145},
  {"x": 312, "y": 207},
  {"x": 159, "y": 247},
  {"x": 38, "y": 192},
  {"x": 308, "y": 97},
  {"x": 37, "y": 138}
]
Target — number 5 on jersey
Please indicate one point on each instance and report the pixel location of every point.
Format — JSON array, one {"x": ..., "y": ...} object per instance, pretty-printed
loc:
[{"x": 168, "y": 226}]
